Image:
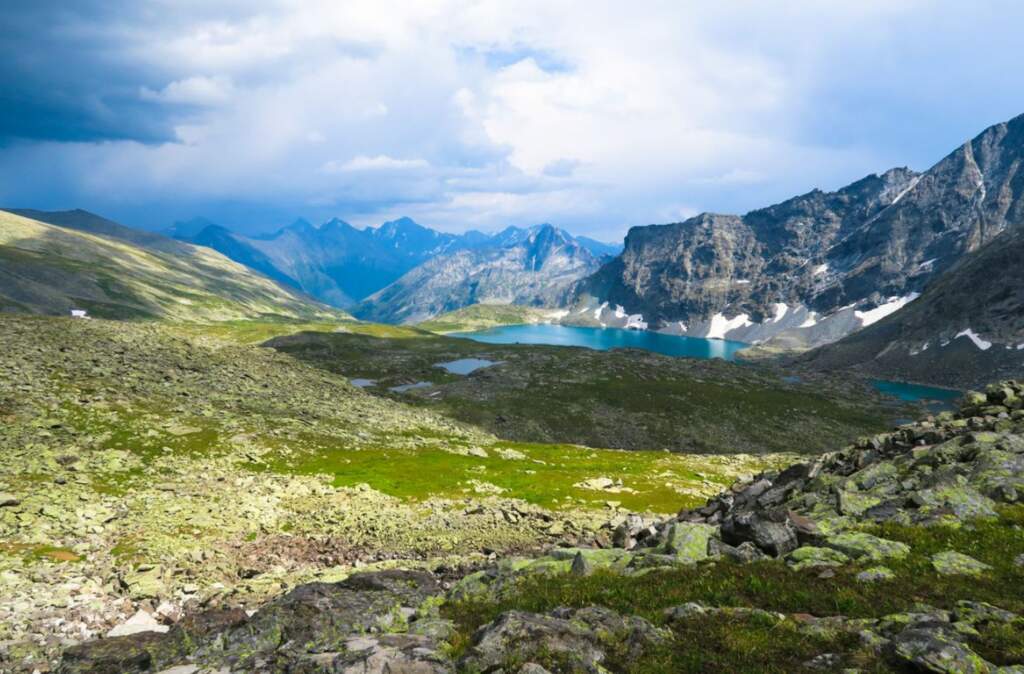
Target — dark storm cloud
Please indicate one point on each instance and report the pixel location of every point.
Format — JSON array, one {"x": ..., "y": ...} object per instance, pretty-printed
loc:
[{"x": 61, "y": 82}]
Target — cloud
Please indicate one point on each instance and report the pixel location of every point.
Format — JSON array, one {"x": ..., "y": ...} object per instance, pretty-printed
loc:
[
  {"x": 196, "y": 90},
  {"x": 481, "y": 114},
  {"x": 381, "y": 162}
]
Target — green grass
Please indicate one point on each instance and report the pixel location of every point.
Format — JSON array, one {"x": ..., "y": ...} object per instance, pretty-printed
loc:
[{"x": 546, "y": 476}]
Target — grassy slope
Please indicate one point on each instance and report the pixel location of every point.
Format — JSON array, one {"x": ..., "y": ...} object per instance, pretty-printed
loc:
[
  {"x": 49, "y": 269},
  {"x": 626, "y": 399},
  {"x": 132, "y": 406},
  {"x": 483, "y": 316}
]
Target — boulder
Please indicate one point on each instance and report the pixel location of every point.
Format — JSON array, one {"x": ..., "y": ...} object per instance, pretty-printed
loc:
[
  {"x": 932, "y": 650},
  {"x": 320, "y": 617},
  {"x": 120, "y": 655},
  {"x": 688, "y": 541},
  {"x": 140, "y": 622},
  {"x": 567, "y": 640},
  {"x": 867, "y": 548},
  {"x": 774, "y": 537},
  {"x": 808, "y": 557},
  {"x": 952, "y": 563},
  {"x": 875, "y": 574}
]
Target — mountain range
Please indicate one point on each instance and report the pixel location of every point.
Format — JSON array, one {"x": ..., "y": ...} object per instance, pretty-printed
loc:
[
  {"x": 342, "y": 265},
  {"x": 818, "y": 267},
  {"x": 539, "y": 266}
]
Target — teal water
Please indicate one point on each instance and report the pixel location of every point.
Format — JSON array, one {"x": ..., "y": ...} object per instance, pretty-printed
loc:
[
  {"x": 915, "y": 392},
  {"x": 603, "y": 339}
]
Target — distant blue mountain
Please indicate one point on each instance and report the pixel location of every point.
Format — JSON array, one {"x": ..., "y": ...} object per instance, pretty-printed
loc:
[{"x": 340, "y": 264}]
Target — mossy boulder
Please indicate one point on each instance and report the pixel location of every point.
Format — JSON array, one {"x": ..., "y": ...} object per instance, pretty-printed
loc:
[
  {"x": 565, "y": 640},
  {"x": 875, "y": 574},
  {"x": 867, "y": 548},
  {"x": 931, "y": 650},
  {"x": 809, "y": 557},
  {"x": 952, "y": 563},
  {"x": 688, "y": 541}
]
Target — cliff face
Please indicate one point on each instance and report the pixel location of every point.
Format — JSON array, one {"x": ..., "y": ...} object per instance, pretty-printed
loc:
[{"x": 867, "y": 245}]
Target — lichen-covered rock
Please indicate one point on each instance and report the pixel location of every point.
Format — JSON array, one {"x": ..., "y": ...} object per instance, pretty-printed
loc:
[
  {"x": 952, "y": 563},
  {"x": 320, "y": 617},
  {"x": 597, "y": 557},
  {"x": 688, "y": 541},
  {"x": 974, "y": 612},
  {"x": 569, "y": 640},
  {"x": 809, "y": 557},
  {"x": 875, "y": 574},
  {"x": 866, "y": 547},
  {"x": 932, "y": 650}
]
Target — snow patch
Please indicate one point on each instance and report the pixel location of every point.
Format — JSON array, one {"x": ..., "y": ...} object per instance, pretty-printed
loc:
[
  {"x": 597, "y": 312},
  {"x": 720, "y": 325},
  {"x": 557, "y": 315},
  {"x": 912, "y": 185},
  {"x": 927, "y": 263},
  {"x": 892, "y": 305},
  {"x": 978, "y": 341},
  {"x": 810, "y": 321},
  {"x": 742, "y": 282},
  {"x": 780, "y": 311},
  {"x": 619, "y": 311},
  {"x": 821, "y": 269},
  {"x": 636, "y": 322}
]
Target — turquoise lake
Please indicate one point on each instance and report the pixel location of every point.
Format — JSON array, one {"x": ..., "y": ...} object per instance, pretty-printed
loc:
[{"x": 603, "y": 339}]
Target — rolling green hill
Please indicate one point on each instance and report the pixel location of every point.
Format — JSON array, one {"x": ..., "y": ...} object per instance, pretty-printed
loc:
[{"x": 50, "y": 269}]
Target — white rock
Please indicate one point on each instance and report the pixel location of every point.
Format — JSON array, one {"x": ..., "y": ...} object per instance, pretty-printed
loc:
[{"x": 140, "y": 622}]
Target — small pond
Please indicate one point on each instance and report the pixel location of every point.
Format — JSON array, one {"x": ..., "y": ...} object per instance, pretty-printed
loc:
[{"x": 465, "y": 365}]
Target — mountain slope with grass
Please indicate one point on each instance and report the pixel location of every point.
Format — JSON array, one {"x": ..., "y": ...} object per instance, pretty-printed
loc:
[
  {"x": 117, "y": 272},
  {"x": 148, "y": 465}
]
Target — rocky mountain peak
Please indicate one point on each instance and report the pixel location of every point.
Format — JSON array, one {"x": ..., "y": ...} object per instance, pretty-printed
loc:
[{"x": 824, "y": 255}]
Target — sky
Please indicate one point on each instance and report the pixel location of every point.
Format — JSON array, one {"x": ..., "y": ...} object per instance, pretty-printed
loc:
[{"x": 595, "y": 116}]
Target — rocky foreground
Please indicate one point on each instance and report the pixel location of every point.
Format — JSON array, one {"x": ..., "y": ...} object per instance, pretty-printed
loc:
[{"x": 902, "y": 552}]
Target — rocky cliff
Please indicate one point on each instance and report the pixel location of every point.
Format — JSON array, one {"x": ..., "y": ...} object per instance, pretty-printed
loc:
[{"x": 829, "y": 263}]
